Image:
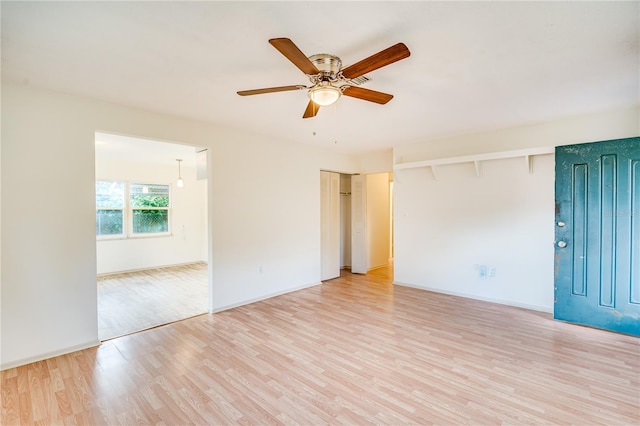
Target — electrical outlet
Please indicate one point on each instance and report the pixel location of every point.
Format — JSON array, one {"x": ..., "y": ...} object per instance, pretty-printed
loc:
[{"x": 492, "y": 271}]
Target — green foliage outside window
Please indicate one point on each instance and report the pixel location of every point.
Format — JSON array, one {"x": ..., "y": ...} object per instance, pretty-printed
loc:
[{"x": 146, "y": 218}]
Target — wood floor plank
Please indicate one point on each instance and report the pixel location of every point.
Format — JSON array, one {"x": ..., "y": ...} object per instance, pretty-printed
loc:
[
  {"x": 354, "y": 350},
  {"x": 133, "y": 301},
  {"x": 11, "y": 400}
]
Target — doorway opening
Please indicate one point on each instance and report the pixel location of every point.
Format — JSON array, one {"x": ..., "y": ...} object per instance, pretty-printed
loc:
[
  {"x": 151, "y": 233},
  {"x": 356, "y": 223}
]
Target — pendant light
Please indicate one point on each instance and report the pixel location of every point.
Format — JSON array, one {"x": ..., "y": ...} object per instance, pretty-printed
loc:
[{"x": 179, "y": 182}]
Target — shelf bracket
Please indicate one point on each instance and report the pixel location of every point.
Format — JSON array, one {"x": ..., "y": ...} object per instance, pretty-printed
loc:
[
  {"x": 434, "y": 172},
  {"x": 478, "y": 165}
]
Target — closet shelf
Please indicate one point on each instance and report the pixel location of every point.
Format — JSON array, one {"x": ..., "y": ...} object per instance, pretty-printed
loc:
[{"x": 476, "y": 159}]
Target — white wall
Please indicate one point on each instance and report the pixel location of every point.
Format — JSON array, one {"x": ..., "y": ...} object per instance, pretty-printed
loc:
[
  {"x": 446, "y": 228},
  {"x": 378, "y": 212},
  {"x": 504, "y": 218},
  {"x": 264, "y": 241},
  {"x": 187, "y": 242},
  {"x": 376, "y": 162},
  {"x": 615, "y": 124}
]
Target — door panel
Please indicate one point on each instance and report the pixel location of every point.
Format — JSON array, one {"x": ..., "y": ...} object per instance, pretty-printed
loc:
[
  {"x": 635, "y": 232},
  {"x": 329, "y": 225},
  {"x": 597, "y": 238},
  {"x": 359, "y": 244}
]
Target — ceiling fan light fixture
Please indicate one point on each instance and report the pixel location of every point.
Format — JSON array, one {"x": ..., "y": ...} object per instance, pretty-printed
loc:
[{"x": 324, "y": 94}]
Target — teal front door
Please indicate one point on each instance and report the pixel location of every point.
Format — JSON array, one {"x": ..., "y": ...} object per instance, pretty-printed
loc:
[{"x": 597, "y": 244}]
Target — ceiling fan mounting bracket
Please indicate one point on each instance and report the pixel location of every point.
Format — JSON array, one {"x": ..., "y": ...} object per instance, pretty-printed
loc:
[
  {"x": 329, "y": 67},
  {"x": 327, "y": 64}
]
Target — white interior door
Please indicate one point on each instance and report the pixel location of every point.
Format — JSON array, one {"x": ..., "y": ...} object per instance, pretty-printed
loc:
[
  {"x": 330, "y": 225},
  {"x": 358, "y": 224}
]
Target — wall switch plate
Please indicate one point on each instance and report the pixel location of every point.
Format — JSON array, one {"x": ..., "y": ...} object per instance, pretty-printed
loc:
[{"x": 482, "y": 272}]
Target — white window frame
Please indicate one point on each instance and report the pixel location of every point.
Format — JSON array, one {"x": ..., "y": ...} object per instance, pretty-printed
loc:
[
  {"x": 123, "y": 209},
  {"x": 127, "y": 213},
  {"x": 131, "y": 209}
]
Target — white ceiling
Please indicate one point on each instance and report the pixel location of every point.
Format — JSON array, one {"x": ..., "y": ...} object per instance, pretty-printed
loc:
[{"x": 474, "y": 66}]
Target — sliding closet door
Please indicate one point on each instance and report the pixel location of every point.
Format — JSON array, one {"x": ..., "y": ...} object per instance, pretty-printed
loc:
[
  {"x": 330, "y": 225},
  {"x": 359, "y": 254}
]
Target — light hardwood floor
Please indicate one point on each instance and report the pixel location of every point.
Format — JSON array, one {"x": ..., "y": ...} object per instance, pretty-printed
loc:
[
  {"x": 355, "y": 350},
  {"x": 135, "y": 301}
]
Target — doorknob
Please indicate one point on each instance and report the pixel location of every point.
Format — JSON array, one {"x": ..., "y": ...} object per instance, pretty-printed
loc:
[{"x": 562, "y": 244}]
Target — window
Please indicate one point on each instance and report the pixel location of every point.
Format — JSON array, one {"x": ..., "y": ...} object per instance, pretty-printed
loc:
[
  {"x": 150, "y": 208},
  {"x": 132, "y": 210},
  {"x": 110, "y": 208}
]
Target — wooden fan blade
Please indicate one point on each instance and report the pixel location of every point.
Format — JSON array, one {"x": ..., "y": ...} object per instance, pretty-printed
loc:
[
  {"x": 385, "y": 57},
  {"x": 367, "y": 95},
  {"x": 295, "y": 55},
  {"x": 312, "y": 110},
  {"x": 270, "y": 90}
]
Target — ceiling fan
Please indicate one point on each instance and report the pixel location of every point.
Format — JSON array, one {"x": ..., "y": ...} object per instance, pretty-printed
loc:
[{"x": 328, "y": 79}]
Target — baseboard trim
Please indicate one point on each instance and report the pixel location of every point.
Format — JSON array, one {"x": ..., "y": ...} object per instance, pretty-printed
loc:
[
  {"x": 47, "y": 355},
  {"x": 474, "y": 297},
  {"x": 260, "y": 298},
  {"x": 150, "y": 268},
  {"x": 373, "y": 268}
]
